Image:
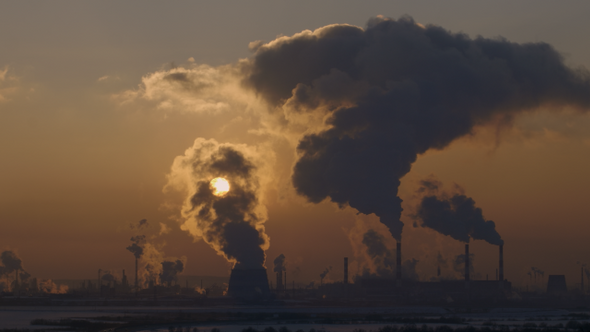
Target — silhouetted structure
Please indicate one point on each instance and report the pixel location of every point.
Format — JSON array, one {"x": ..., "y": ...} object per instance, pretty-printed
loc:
[
  {"x": 398, "y": 268},
  {"x": 467, "y": 262},
  {"x": 501, "y": 264},
  {"x": 556, "y": 284},
  {"x": 345, "y": 270},
  {"x": 248, "y": 284}
]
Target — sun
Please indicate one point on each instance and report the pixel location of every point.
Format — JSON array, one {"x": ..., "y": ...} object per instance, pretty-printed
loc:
[{"x": 220, "y": 186}]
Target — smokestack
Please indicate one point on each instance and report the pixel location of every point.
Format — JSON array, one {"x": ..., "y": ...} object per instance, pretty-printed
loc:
[
  {"x": 345, "y": 270},
  {"x": 136, "y": 279},
  {"x": 467, "y": 262},
  {"x": 398, "y": 270},
  {"x": 501, "y": 267}
]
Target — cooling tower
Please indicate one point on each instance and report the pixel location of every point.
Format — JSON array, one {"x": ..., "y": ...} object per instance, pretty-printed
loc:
[
  {"x": 248, "y": 284},
  {"x": 556, "y": 284}
]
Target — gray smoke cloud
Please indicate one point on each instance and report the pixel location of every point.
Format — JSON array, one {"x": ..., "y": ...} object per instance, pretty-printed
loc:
[
  {"x": 233, "y": 224},
  {"x": 454, "y": 215},
  {"x": 383, "y": 259},
  {"x": 279, "y": 263},
  {"x": 136, "y": 248},
  {"x": 391, "y": 92},
  {"x": 170, "y": 271}
]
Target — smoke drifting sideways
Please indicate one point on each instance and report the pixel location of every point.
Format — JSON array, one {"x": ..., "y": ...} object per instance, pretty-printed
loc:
[
  {"x": 392, "y": 91},
  {"x": 170, "y": 271},
  {"x": 454, "y": 215},
  {"x": 232, "y": 224},
  {"x": 136, "y": 248}
]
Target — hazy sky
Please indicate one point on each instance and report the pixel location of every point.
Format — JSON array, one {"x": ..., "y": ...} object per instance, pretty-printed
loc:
[{"x": 86, "y": 148}]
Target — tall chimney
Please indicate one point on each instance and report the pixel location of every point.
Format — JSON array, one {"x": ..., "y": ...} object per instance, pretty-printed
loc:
[
  {"x": 501, "y": 267},
  {"x": 136, "y": 279},
  {"x": 398, "y": 270},
  {"x": 345, "y": 270},
  {"x": 467, "y": 262}
]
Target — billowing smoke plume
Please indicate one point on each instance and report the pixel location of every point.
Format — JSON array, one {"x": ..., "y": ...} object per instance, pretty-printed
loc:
[
  {"x": 383, "y": 259},
  {"x": 170, "y": 271},
  {"x": 10, "y": 262},
  {"x": 50, "y": 287},
  {"x": 136, "y": 248},
  {"x": 388, "y": 93},
  {"x": 279, "y": 263},
  {"x": 454, "y": 215},
  {"x": 233, "y": 224}
]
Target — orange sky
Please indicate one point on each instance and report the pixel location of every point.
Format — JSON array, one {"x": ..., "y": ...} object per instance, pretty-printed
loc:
[{"x": 81, "y": 160}]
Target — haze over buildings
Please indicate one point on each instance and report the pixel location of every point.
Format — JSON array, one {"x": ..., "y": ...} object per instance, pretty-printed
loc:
[{"x": 115, "y": 115}]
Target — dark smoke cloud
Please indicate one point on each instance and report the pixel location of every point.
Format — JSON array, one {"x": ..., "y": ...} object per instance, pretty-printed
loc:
[
  {"x": 170, "y": 271},
  {"x": 143, "y": 223},
  {"x": 279, "y": 263},
  {"x": 454, "y": 215},
  {"x": 10, "y": 262},
  {"x": 383, "y": 258},
  {"x": 393, "y": 91},
  {"x": 232, "y": 223},
  {"x": 136, "y": 248}
]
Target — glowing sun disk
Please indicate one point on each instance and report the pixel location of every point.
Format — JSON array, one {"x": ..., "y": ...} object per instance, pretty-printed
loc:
[{"x": 220, "y": 186}]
